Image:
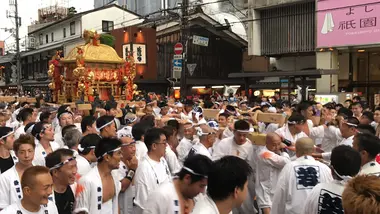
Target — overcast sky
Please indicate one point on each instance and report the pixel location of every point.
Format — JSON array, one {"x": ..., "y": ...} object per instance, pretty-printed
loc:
[{"x": 28, "y": 11}]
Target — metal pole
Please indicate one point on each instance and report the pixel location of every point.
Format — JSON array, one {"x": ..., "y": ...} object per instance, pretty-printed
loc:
[
  {"x": 18, "y": 58},
  {"x": 184, "y": 33}
]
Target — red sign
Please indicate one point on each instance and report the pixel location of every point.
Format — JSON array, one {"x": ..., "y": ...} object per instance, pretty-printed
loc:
[{"x": 178, "y": 48}]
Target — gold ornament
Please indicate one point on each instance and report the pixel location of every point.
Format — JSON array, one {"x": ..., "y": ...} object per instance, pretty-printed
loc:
[
  {"x": 61, "y": 77},
  {"x": 50, "y": 73},
  {"x": 81, "y": 78},
  {"x": 125, "y": 79},
  {"x": 134, "y": 87},
  {"x": 51, "y": 67},
  {"x": 51, "y": 86},
  {"x": 76, "y": 72},
  {"x": 90, "y": 76},
  {"x": 81, "y": 86}
]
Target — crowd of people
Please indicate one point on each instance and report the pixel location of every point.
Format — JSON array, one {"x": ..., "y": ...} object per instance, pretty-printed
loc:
[{"x": 162, "y": 156}]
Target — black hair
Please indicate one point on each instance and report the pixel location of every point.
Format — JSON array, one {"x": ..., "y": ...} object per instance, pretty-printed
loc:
[
  {"x": 44, "y": 116},
  {"x": 24, "y": 114},
  {"x": 356, "y": 104},
  {"x": 55, "y": 157},
  {"x": 369, "y": 143},
  {"x": 227, "y": 174},
  {"x": 106, "y": 145},
  {"x": 4, "y": 131},
  {"x": 357, "y": 98},
  {"x": 297, "y": 117},
  {"x": 37, "y": 128},
  {"x": 364, "y": 128},
  {"x": 152, "y": 136},
  {"x": 110, "y": 105},
  {"x": 224, "y": 115},
  {"x": 173, "y": 123},
  {"x": 87, "y": 121},
  {"x": 67, "y": 129},
  {"x": 350, "y": 101},
  {"x": 352, "y": 120},
  {"x": 368, "y": 115},
  {"x": 303, "y": 106},
  {"x": 101, "y": 121},
  {"x": 88, "y": 141},
  {"x": 285, "y": 103},
  {"x": 377, "y": 109},
  {"x": 345, "y": 112},
  {"x": 169, "y": 131},
  {"x": 199, "y": 164},
  {"x": 139, "y": 130},
  {"x": 241, "y": 125},
  {"x": 346, "y": 160},
  {"x": 339, "y": 105},
  {"x": 148, "y": 120}
]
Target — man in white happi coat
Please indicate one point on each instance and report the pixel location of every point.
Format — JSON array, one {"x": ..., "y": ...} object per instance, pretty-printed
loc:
[
  {"x": 63, "y": 169},
  {"x": 207, "y": 138},
  {"x": 170, "y": 155},
  {"x": 153, "y": 170},
  {"x": 179, "y": 196},
  {"x": 138, "y": 132},
  {"x": 86, "y": 157},
  {"x": 298, "y": 178},
  {"x": 327, "y": 197},
  {"x": 348, "y": 129},
  {"x": 125, "y": 175},
  {"x": 126, "y": 131},
  {"x": 187, "y": 142},
  {"x": 293, "y": 130},
  {"x": 7, "y": 156},
  {"x": 270, "y": 161},
  {"x": 26, "y": 116},
  {"x": 36, "y": 186},
  {"x": 238, "y": 145},
  {"x": 99, "y": 188},
  {"x": 368, "y": 146},
  {"x": 227, "y": 186},
  {"x": 65, "y": 118},
  {"x": 10, "y": 181},
  {"x": 88, "y": 125},
  {"x": 43, "y": 132}
]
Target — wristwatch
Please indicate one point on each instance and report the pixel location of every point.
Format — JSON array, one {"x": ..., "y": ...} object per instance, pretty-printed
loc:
[{"x": 130, "y": 174}]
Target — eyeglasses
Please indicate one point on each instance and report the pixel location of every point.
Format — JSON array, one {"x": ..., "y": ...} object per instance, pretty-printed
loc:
[{"x": 59, "y": 165}]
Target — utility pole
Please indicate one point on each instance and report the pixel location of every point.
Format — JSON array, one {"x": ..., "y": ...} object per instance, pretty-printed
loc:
[
  {"x": 185, "y": 39},
  {"x": 17, "y": 38}
]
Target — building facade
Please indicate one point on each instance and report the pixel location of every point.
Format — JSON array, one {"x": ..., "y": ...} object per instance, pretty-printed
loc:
[{"x": 64, "y": 35}]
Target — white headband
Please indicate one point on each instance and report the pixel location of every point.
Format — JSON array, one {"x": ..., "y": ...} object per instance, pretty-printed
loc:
[
  {"x": 11, "y": 132},
  {"x": 194, "y": 173},
  {"x": 343, "y": 177},
  {"x": 244, "y": 131},
  {"x": 109, "y": 123},
  {"x": 81, "y": 149},
  {"x": 115, "y": 150}
]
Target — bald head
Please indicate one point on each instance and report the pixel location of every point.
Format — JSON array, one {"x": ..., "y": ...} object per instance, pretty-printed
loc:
[
  {"x": 304, "y": 146},
  {"x": 273, "y": 142}
]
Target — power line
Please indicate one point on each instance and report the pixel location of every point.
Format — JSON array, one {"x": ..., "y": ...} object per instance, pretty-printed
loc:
[{"x": 237, "y": 8}]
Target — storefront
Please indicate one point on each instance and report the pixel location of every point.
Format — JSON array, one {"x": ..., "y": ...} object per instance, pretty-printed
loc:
[{"x": 348, "y": 38}]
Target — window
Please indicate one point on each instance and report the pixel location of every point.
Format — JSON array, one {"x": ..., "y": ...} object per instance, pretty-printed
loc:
[
  {"x": 41, "y": 39},
  {"x": 64, "y": 32},
  {"x": 107, "y": 26},
  {"x": 47, "y": 38},
  {"x": 72, "y": 28},
  {"x": 52, "y": 37}
]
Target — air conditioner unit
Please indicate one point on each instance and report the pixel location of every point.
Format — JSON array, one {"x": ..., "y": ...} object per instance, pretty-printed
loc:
[{"x": 32, "y": 43}]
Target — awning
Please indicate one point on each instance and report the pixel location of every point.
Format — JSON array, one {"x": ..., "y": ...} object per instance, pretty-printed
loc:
[
  {"x": 7, "y": 58},
  {"x": 302, "y": 73},
  {"x": 23, "y": 54},
  {"x": 35, "y": 83}
]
